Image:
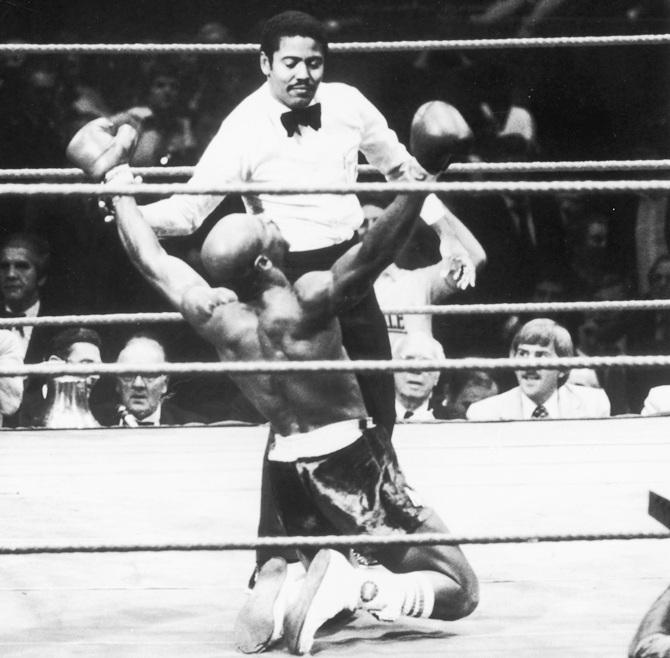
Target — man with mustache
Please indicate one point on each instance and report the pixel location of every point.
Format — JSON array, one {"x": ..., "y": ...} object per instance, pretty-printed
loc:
[{"x": 542, "y": 393}]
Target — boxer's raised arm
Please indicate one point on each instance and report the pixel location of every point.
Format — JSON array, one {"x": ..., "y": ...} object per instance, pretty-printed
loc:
[
  {"x": 169, "y": 275},
  {"x": 354, "y": 272}
]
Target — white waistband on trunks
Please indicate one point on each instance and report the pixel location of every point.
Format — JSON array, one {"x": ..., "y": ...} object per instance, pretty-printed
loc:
[{"x": 317, "y": 443}]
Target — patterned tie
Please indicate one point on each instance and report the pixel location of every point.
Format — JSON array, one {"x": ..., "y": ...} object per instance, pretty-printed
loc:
[
  {"x": 306, "y": 116},
  {"x": 540, "y": 412}
]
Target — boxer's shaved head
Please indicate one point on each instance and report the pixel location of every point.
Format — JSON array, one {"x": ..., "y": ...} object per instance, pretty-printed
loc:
[{"x": 231, "y": 248}]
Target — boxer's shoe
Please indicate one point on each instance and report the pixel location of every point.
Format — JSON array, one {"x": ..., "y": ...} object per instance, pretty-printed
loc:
[
  {"x": 260, "y": 621},
  {"x": 331, "y": 586}
]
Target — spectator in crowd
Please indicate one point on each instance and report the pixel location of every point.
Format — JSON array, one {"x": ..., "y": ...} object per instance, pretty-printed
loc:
[
  {"x": 650, "y": 334},
  {"x": 606, "y": 333},
  {"x": 24, "y": 265},
  {"x": 143, "y": 399},
  {"x": 83, "y": 76},
  {"x": 11, "y": 388},
  {"x": 214, "y": 85},
  {"x": 550, "y": 286},
  {"x": 463, "y": 389},
  {"x": 652, "y": 224},
  {"x": 165, "y": 131},
  {"x": 34, "y": 124},
  {"x": 73, "y": 345},
  {"x": 652, "y": 330},
  {"x": 413, "y": 388},
  {"x": 589, "y": 252},
  {"x": 542, "y": 393}
]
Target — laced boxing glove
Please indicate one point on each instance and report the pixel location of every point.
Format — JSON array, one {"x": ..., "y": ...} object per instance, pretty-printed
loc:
[
  {"x": 438, "y": 133},
  {"x": 101, "y": 145}
]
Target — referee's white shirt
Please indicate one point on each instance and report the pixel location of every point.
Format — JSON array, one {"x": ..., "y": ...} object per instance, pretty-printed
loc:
[{"x": 252, "y": 146}]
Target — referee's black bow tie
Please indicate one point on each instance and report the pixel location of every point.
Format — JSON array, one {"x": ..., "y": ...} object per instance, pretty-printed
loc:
[{"x": 305, "y": 116}]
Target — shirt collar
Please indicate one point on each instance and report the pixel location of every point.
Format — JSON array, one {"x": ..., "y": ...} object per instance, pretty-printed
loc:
[
  {"x": 154, "y": 417},
  {"x": 551, "y": 405},
  {"x": 400, "y": 410},
  {"x": 30, "y": 312},
  {"x": 277, "y": 107}
]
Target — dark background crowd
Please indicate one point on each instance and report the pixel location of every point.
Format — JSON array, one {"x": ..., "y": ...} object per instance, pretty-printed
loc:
[{"x": 581, "y": 104}]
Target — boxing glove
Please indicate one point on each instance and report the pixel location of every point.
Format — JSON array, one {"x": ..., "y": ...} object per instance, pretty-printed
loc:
[
  {"x": 100, "y": 145},
  {"x": 438, "y": 132}
]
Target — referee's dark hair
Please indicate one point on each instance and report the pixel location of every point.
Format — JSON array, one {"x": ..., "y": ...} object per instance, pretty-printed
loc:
[{"x": 291, "y": 24}]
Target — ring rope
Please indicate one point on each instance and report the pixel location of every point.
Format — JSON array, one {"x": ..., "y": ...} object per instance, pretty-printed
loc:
[
  {"x": 428, "y": 309},
  {"x": 57, "y": 369},
  {"x": 497, "y": 187},
  {"x": 341, "y": 47},
  {"x": 456, "y": 168},
  {"x": 342, "y": 541}
]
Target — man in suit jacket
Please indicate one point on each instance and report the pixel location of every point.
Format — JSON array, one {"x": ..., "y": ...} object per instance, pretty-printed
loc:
[
  {"x": 24, "y": 264},
  {"x": 143, "y": 398},
  {"x": 542, "y": 393},
  {"x": 413, "y": 389},
  {"x": 24, "y": 261}
]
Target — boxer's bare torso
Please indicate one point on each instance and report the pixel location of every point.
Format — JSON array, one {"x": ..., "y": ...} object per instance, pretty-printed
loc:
[{"x": 284, "y": 323}]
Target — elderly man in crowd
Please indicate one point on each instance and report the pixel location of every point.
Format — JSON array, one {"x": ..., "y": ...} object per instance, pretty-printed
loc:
[
  {"x": 542, "y": 393},
  {"x": 143, "y": 399},
  {"x": 413, "y": 388}
]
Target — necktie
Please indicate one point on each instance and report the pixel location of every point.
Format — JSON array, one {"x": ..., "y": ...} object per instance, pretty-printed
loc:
[
  {"x": 19, "y": 329},
  {"x": 408, "y": 414},
  {"x": 306, "y": 116},
  {"x": 540, "y": 412}
]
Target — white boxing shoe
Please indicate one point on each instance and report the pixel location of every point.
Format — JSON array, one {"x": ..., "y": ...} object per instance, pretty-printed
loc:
[
  {"x": 331, "y": 586},
  {"x": 260, "y": 621}
]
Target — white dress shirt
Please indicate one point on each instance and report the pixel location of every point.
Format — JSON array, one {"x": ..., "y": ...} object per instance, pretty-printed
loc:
[
  {"x": 419, "y": 414},
  {"x": 252, "y": 146},
  {"x": 551, "y": 405},
  {"x": 11, "y": 388},
  {"x": 130, "y": 420}
]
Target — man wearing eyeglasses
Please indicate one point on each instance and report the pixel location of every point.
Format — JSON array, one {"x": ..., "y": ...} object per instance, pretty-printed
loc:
[{"x": 143, "y": 399}]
